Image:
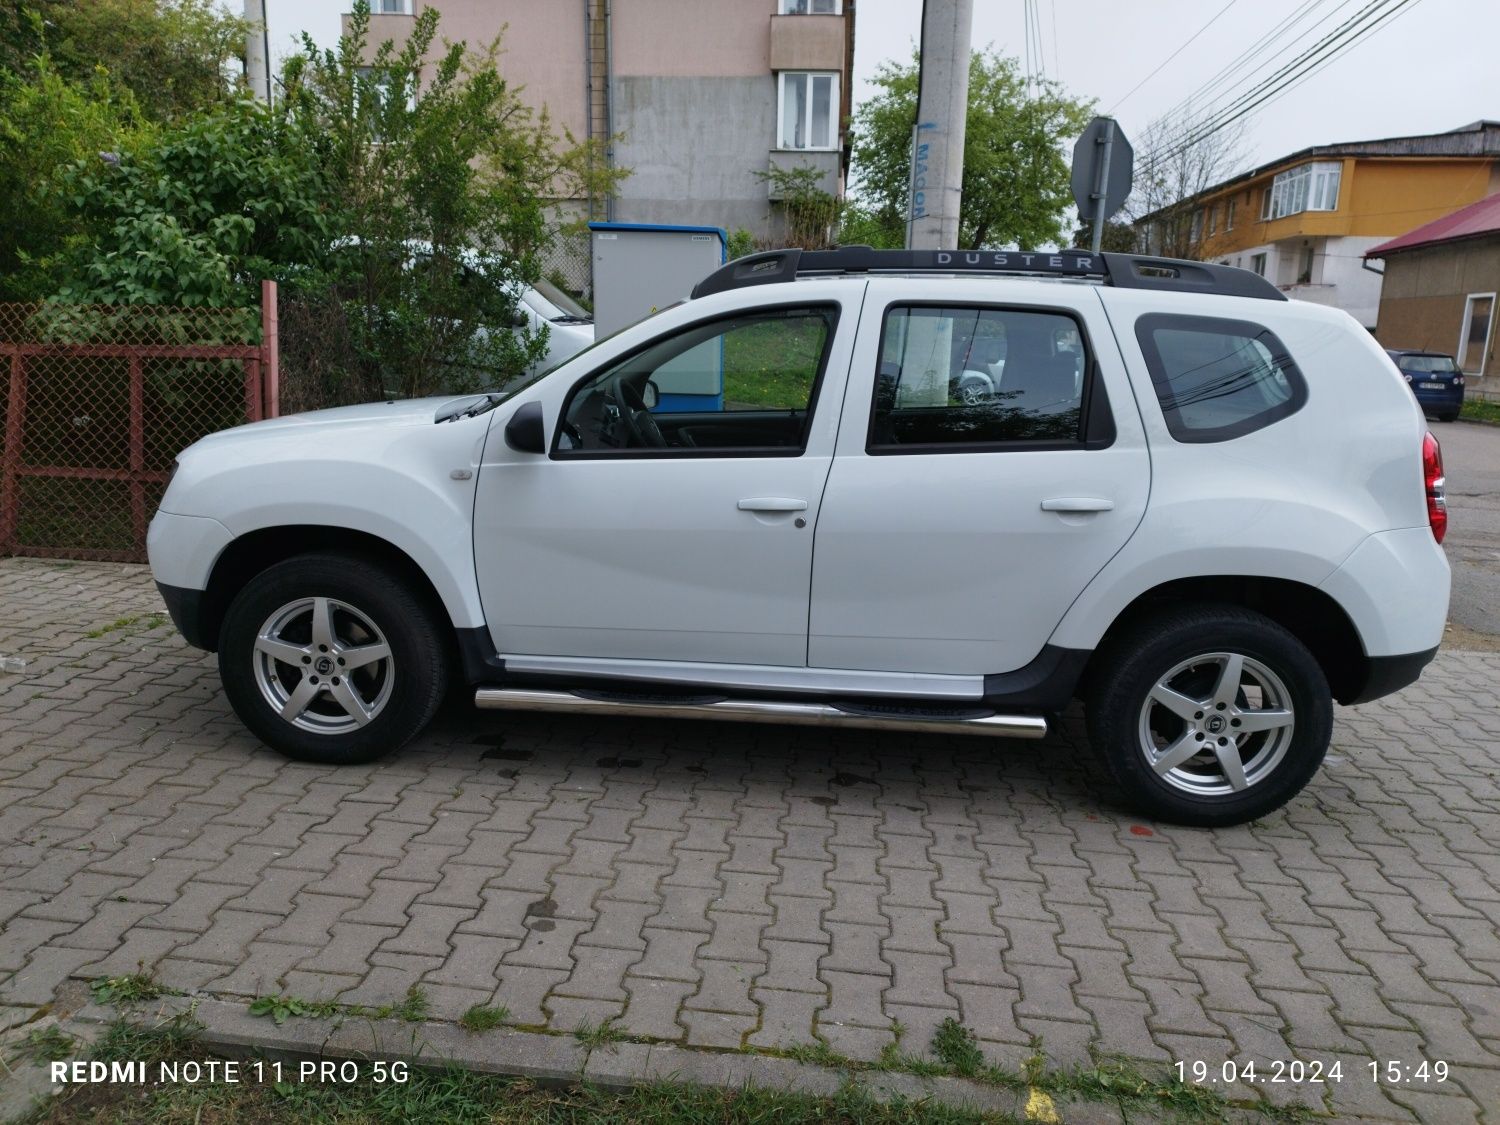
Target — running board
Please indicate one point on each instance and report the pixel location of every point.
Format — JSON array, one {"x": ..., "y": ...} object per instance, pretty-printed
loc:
[{"x": 933, "y": 720}]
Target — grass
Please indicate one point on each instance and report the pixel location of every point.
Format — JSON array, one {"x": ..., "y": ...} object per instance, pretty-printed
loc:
[
  {"x": 446, "y": 1095},
  {"x": 483, "y": 1018},
  {"x": 772, "y": 365},
  {"x": 125, "y": 991},
  {"x": 595, "y": 1036},
  {"x": 1481, "y": 410},
  {"x": 147, "y": 621},
  {"x": 44, "y": 1044},
  {"x": 414, "y": 1008}
]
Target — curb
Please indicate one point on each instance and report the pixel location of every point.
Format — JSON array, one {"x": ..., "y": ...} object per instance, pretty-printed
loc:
[{"x": 560, "y": 1060}]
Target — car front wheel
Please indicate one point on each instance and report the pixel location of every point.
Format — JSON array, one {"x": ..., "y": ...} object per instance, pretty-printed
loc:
[
  {"x": 332, "y": 659},
  {"x": 1210, "y": 715}
]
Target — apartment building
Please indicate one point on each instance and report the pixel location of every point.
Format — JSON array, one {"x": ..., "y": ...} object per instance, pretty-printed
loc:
[
  {"x": 703, "y": 96},
  {"x": 1306, "y": 221}
]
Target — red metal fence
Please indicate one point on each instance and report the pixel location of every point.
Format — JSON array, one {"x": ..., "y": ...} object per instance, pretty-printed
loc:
[{"x": 100, "y": 399}]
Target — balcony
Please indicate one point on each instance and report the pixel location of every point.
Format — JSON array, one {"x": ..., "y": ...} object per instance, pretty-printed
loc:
[{"x": 807, "y": 43}]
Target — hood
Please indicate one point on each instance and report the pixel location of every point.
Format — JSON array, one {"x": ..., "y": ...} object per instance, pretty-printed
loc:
[{"x": 368, "y": 415}]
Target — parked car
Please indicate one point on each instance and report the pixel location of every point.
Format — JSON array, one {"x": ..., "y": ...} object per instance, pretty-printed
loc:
[
  {"x": 1434, "y": 378},
  {"x": 1205, "y": 510},
  {"x": 541, "y": 305}
]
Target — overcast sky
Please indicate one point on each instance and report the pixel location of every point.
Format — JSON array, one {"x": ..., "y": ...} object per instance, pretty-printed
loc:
[{"x": 1430, "y": 69}]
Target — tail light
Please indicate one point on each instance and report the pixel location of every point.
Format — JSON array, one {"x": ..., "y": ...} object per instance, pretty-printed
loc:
[{"x": 1436, "y": 483}]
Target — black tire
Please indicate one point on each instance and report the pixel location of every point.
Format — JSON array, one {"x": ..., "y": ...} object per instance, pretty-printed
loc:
[
  {"x": 417, "y": 668},
  {"x": 1129, "y": 668}
]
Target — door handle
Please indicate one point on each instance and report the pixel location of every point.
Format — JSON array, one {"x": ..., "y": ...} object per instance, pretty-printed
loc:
[
  {"x": 772, "y": 504},
  {"x": 1078, "y": 504}
]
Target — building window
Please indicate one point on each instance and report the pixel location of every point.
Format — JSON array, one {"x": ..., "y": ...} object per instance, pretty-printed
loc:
[
  {"x": 1213, "y": 219},
  {"x": 391, "y": 7},
  {"x": 1474, "y": 342},
  {"x": 1195, "y": 228},
  {"x": 811, "y": 7},
  {"x": 809, "y": 110},
  {"x": 1229, "y": 215},
  {"x": 1308, "y": 187},
  {"x": 1258, "y": 264}
]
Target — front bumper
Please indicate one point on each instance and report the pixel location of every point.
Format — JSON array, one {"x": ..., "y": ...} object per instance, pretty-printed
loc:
[{"x": 185, "y": 607}]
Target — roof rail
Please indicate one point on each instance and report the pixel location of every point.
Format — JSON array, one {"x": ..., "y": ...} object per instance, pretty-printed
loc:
[{"x": 1125, "y": 271}]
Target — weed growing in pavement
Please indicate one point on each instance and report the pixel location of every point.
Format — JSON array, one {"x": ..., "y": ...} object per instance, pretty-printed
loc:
[
  {"x": 46, "y": 1044},
  {"x": 415, "y": 1008},
  {"x": 133, "y": 988},
  {"x": 594, "y": 1036},
  {"x": 483, "y": 1018},
  {"x": 282, "y": 1008}
]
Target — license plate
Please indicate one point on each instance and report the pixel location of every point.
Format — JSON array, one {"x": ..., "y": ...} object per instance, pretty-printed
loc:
[{"x": 1431, "y": 386}]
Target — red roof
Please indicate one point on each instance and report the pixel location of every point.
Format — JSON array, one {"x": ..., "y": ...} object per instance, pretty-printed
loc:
[{"x": 1468, "y": 222}]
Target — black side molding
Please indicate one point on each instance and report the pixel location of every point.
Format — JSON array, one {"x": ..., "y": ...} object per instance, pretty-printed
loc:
[
  {"x": 1048, "y": 683},
  {"x": 1387, "y": 674}
]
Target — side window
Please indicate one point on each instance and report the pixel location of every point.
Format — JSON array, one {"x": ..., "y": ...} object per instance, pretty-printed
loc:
[
  {"x": 744, "y": 384},
  {"x": 1218, "y": 379},
  {"x": 977, "y": 377}
]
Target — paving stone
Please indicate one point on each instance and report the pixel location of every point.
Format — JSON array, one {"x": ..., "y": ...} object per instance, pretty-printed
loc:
[{"x": 746, "y": 883}]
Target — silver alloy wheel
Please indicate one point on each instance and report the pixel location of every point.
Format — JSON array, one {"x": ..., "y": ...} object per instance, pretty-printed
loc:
[
  {"x": 1216, "y": 724},
  {"x": 323, "y": 666}
]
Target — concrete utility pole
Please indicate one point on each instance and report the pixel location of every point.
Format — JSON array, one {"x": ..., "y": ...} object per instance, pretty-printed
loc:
[
  {"x": 937, "y": 158},
  {"x": 257, "y": 57}
]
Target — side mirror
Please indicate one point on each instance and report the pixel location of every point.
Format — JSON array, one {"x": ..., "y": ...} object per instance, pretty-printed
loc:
[
  {"x": 650, "y": 394},
  {"x": 518, "y": 319},
  {"x": 525, "y": 432}
]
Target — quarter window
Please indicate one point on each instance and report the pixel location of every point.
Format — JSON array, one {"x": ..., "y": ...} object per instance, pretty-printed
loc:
[
  {"x": 744, "y": 384},
  {"x": 1218, "y": 379},
  {"x": 977, "y": 377},
  {"x": 809, "y": 110}
]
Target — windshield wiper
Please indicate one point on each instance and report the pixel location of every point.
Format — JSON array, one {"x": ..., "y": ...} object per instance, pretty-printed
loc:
[{"x": 486, "y": 402}]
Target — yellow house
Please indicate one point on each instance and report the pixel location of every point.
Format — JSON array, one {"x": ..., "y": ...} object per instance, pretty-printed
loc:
[{"x": 1306, "y": 220}]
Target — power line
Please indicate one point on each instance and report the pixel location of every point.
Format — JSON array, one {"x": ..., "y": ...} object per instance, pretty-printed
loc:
[
  {"x": 1174, "y": 54},
  {"x": 1370, "y": 18},
  {"x": 1246, "y": 57}
]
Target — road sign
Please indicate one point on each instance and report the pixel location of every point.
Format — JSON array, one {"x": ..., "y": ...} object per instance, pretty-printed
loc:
[{"x": 1103, "y": 166}]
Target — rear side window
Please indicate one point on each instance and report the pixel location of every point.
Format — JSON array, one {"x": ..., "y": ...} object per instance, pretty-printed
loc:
[
  {"x": 1218, "y": 379},
  {"x": 955, "y": 377}
]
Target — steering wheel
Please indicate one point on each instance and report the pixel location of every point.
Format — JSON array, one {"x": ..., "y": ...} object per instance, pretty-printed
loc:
[{"x": 638, "y": 420}]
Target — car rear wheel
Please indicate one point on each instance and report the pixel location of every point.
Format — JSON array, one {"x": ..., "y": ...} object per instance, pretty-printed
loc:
[
  {"x": 1209, "y": 715},
  {"x": 331, "y": 658}
]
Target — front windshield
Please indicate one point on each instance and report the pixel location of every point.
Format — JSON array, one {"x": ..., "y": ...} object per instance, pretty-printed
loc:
[
  {"x": 1427, "y": 364},
  {"x": 554, "y": 304}
]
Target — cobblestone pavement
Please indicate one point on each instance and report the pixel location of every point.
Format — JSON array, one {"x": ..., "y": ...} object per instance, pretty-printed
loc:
[{"x": 731, "y": 886}]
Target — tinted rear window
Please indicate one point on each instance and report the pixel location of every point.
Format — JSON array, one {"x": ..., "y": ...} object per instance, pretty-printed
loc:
[
  {"x": 1427, "y": 364},
  {"x": 1218, "y": 379}
]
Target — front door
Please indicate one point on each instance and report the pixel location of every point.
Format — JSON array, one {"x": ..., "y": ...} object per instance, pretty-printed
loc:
[
  {"x": 654, "y": 533},
  {"x": 991, "y": 462}
]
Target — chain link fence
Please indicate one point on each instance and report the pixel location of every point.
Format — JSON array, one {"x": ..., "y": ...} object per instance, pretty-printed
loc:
[{"x": 98, "y": 402}]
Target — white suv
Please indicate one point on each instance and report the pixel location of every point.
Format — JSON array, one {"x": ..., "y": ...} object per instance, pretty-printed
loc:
[{"x": 1207, "y": 511}]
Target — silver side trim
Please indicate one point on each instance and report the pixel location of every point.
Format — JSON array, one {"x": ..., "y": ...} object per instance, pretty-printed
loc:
[
  {"x": 757, "y": 677},
  {"x": 755, "y": 711}
]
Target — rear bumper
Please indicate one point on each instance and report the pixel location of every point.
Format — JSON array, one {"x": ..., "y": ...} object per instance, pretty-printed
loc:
[
  {"x": 1387, "y": 674},
  {"x": 1440, "y": 400}
]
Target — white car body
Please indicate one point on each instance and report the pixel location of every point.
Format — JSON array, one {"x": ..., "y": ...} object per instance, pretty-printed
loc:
[{"x": 963, "y": 577}]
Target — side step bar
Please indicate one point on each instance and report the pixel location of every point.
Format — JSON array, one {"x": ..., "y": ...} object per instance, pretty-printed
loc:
[{"x": 911, "y": 718}]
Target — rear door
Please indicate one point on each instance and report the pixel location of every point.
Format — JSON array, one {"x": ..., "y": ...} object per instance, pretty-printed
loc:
[{"x": 958, "y": 526}]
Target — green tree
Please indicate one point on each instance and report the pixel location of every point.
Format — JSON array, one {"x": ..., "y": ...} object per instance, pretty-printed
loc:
[
  {"x": 48, "y": 123},
  {"x": 201, "y": 213},
  {"x": 1016, "y": 172},
  {"x": 175, "y": 56}
]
